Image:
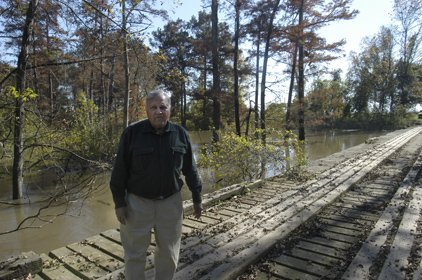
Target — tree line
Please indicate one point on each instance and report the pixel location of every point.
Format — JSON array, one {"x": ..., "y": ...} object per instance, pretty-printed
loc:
[{"x": 75, "y": 73}]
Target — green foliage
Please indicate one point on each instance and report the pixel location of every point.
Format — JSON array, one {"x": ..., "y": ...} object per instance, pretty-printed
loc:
[
  {"x": 378, "y": 120},
  {"x": 27, "y": 95},
  {"x": 275, "y": 116},
  {"x": 325, "y": 103},
  {"x": 236, "y": 159},
  {"x": 89, "y": 136}
]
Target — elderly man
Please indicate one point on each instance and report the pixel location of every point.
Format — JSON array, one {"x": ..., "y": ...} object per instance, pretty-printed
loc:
[{"x": 145, "y": 184}]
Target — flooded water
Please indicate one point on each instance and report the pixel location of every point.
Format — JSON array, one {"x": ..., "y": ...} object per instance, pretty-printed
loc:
[{"x": 62, "y": 225}]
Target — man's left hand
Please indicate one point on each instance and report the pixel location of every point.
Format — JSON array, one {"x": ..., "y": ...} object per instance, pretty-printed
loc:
[{"x": 197, "y": 209}]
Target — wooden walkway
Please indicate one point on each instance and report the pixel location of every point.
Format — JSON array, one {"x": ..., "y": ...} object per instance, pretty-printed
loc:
[{"x": 246, "y": 223}]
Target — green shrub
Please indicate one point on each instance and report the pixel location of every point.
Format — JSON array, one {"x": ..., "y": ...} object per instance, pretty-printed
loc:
[
  {"x": 235, "y": 159},
  {"x": 89, "y": 135}
]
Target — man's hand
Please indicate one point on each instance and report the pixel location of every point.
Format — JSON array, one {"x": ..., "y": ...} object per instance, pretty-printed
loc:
[
  {"x": 197, "y": 209},
  {"x": 121, "y": 214}
]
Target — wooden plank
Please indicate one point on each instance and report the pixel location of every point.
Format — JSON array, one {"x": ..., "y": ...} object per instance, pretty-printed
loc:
[
  {"x": 234, "y": 209},
  {"x": 106, "y": 245},
  {"x": 341, "y": 218},
  {"x": 194, "y": 224},
  {"x": 375, "y": 191},
  {"x": 315, "y": 257},
  {"x": 339, "y": 237},
  {"x": 230, "y": 247},
  {"x": 383, "y": 180},
  {"x": 387, "y": 187},
  {"x": 109, "y": 247},
  {"x": 242, "y": 206},
  {"x": 341, "y": 230},
  {"x": 301, "y": 264},
  {"x": 78, "y": 264},
  {"x": 209, "y": 220},
  {"x": 259, "y": 194},
  {"x": 368, "y": 195},
  {"x": 246, "y": 235},
  {"x": 226, "y": 212},
  {"x": 329, "y": 242},
  {"x": 94, "y": 255},
  {"x": 368, "y": 199},
  {"x": 321, "y": 249},
  {"x": 396, "y": 264},
  {"x": 209, "y": 199},
  {"x": 112, "y": 234},
  {"x": 35, "y": 277},
  {"x": 216, "y": 216},
  {"x": 53, "y": 269},
  {"x": 271, "y": 187},
  {"x": 350, "y": 205},
  {"x": 346, "y": 219},
  {"x": 366, "y": 205},
  {"x": 249, "y": 201},
  {"x": 417, "y": 275},
  {"x": 187, "y": 230},
  {"x": 246, "y": 247},
  {"x": 350, "y": 213},
  {"x": 363, "y": 261},
  {"x": 347, "y": 225},
  {"x": 20, "y": 266},
  {"x": 120, "y": 275},
  {"x": 289, "y": 273}
]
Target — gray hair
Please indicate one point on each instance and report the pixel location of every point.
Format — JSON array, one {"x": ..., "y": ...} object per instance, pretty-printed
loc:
[{"x": 159, "y": 93}]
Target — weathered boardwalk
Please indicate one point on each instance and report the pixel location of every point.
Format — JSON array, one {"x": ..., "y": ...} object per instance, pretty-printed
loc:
[{"x": 238, "y": 232}]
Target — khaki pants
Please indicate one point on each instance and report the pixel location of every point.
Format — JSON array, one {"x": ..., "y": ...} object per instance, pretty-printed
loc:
[{"x": 165, "y": 217}]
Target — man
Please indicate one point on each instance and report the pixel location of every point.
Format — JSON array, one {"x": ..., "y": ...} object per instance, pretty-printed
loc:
[{"x": 145, "y": 184}]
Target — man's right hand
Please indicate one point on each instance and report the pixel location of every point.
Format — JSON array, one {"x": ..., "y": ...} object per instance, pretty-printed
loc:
[{"x": 121, "y": 214}]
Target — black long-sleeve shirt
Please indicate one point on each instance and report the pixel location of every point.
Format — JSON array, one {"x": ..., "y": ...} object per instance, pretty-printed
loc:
[{"x": 150, "y": 165}]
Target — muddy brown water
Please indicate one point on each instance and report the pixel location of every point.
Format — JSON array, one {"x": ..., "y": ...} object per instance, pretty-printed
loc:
[{"x": 82, "y": 219}]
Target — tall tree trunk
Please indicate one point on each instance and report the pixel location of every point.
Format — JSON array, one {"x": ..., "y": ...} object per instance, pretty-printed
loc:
[
  {"x": 248, "y": 119},
  {"x": 235, "y": 68},
  {"x": 183, "y": 105},
  {"x": 19, "y": 110},
  {"x": 301, "y": 78},
  {"x": 126, "y": 66},
  {"x": 90, "y": 93},
  {"x": 216, "y": 87},
  {"x": 265, "y": 65},
  {"x": 110, "y": 93},
  {"x": 102, "y": 78},
  {"x": 111, "y": 83},
  {"x": 291, "y": 86},
  {"x": 34, "y": 62},
  {"x": 205, "y": 122},
  {"x": 256, "y": 111}
]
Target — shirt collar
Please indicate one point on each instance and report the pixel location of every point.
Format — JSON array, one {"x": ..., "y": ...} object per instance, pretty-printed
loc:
[{"x": 169, "y": 127}]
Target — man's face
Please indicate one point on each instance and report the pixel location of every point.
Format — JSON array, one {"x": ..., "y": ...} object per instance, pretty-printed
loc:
[{"x": 158, "y": 112}]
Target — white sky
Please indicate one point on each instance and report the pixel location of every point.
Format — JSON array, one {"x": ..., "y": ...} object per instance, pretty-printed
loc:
[{"x": 372, "y": 15}]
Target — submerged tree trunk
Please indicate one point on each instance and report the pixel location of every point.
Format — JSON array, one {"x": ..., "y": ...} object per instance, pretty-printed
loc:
[{"x": 19, "y": 110}]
